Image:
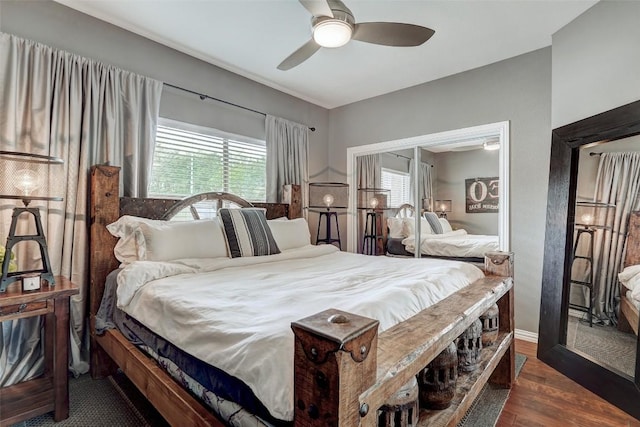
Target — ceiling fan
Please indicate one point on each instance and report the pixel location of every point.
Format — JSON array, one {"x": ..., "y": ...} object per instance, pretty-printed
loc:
[{"x": 334, "y": 25}]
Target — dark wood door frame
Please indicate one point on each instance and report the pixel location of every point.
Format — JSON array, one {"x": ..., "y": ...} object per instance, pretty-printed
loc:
[{"x": 611, "y": 125}]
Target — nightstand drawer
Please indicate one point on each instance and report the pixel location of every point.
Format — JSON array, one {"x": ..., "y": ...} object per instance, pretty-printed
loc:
[{"x": 28, "y": 307}]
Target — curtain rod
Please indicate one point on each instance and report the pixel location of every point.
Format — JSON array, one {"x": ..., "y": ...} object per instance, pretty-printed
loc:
[
  {"x": 408, "y": 158},
  {"x": 203, "y": 96}
]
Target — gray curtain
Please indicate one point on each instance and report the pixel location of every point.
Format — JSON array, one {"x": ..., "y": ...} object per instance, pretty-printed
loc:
[
  {"x": 426, "y": 186},
  {"x": 287, "y": 157},
  {"x": 86, "y": 112},
  {"x": 617, "y": 183}
]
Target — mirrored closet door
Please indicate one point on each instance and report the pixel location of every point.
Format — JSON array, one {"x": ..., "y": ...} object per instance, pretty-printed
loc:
[{"x": 388, "y": 176}]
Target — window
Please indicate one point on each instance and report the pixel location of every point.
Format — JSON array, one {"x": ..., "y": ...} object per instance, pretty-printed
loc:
[
  {"x": 191, "y": 159},
  {"x": 399, "y": 185}
]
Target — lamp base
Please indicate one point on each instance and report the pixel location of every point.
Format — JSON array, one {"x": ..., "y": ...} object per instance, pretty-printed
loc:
[{"x": 12, "y": 240}]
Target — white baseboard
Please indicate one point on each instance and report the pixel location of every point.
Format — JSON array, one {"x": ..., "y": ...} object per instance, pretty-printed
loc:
[{"x": 526, "y": 335}]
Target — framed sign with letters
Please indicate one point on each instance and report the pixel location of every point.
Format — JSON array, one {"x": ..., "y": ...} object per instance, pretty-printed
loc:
[{"x": 482, "y": 195}]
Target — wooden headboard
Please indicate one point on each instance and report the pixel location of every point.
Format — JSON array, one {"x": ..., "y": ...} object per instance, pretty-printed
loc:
[
  {"x": 632, "y": 256},
  {"x": 106, "y": 207}
]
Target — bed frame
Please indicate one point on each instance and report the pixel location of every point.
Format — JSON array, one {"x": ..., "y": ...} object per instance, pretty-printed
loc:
[
  {"x": 629, "y": 317},
  {"x": 344, "y": 369}
]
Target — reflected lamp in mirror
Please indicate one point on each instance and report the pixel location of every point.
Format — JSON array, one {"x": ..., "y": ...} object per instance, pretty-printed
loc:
[
  {"x": 373, "y": 199},
  {"x": 594, "y": 215},
  {"x": 328, "y": 196},
  {"x": 442, "y": 207},
  {"x": 27, "y": 177}
]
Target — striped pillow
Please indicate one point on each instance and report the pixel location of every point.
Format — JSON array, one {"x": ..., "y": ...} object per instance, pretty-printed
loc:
[
  {"x": 247, "y": 232},
  {"x": 433, "y": 221}
]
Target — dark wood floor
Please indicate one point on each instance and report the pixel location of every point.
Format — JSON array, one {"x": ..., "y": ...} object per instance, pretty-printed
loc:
[{"x": 544, "y": 397}]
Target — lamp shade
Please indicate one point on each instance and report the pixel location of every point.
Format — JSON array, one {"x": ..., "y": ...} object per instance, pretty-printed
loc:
[
  {"x": 329, "y": 195},
  {"x": 373, "y": 198},
  {"x": 27, "y": 177},
  {"x": 442, "y": 206},
  {"x": 594, "y": 214}
]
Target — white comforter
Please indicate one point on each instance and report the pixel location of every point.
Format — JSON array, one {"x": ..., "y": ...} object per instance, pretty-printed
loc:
[
  {"x": 235, "y": 314},
  {"x": 456, "y": 243},
  {"x": 630, "y": 277}
]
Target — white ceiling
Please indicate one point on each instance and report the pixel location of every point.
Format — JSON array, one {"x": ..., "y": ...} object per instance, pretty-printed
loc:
[{"x": 251, "y": 37}]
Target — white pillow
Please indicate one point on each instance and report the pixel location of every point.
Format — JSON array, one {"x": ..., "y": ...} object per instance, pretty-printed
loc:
[
  {"x": 171, "y": 240},
  {"x": 628, "y": 273},
  {"x": 409, "y": 226},
  {"x": 290, "y": 234},
  {"x": 395, "y": 228},
  {"x": 446, "y": 227},
  {"x": 126, "y": 249}
]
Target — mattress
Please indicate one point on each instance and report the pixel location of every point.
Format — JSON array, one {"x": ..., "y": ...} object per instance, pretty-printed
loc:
[{"x": 235, "y": 314}]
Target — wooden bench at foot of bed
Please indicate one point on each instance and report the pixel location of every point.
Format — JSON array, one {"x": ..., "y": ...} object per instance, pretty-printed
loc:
[
  {"x": 361, "y": 370},
  {"x": 344, "y": 371}
]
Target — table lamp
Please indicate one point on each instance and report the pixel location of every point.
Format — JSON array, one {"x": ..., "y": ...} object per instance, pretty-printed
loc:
[
  {"x": 28, "y": 177},
  {"x": 328, "y": 196}
]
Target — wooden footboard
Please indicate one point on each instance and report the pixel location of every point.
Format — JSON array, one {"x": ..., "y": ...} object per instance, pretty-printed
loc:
[{"x": 344, "y": 371}]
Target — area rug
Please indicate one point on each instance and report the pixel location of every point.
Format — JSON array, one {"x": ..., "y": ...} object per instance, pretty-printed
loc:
[
  {"x": 116, "y": 402},
  {"x": 604, "y": 343},
  {"x": 486, "y": 409}
]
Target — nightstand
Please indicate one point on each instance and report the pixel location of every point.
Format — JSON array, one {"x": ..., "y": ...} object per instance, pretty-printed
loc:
[{"x": 50, "y": 391}]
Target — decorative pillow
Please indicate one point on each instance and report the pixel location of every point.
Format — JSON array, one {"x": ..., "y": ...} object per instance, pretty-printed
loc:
[
  {"x": 395, "y": 228},
  {"x": 409, "y": 227},
  {"x": 247, "y": 232},
  {"x": 446, "y": 227},
  {"x": 434, "y": 222},
  {"x": 290, "y": 234},
  {"x": 170, "y": 240},
  {"x": 126, "y": 249}
]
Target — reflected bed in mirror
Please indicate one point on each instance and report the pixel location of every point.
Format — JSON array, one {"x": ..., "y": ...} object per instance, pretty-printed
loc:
[{"x": 584, "y": 252}]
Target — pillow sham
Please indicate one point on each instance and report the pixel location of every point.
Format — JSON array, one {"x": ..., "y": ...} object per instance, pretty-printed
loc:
[
  {"x": 126, "y": 249},
  {"x": 434, "y": 222},
  {"x": 409, "y": 227},
  {"x": 446, "y": 227},
  {"x": 171, "y": 240},
  {"x": 247, "y": 233},
  {"x": 291, "y": 234},
  {"x": 396, "y": 229}
]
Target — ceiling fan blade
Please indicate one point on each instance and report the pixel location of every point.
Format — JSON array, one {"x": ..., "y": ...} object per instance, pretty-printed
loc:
[
  {"x": 303, "y": 53},
  {"x": 317, "y": 7},
  {"x": 392, "y": 33}
]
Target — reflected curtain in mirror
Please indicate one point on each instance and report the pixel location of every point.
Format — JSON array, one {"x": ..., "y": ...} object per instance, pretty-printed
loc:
[
  {"x": 425, "y": 183},
  {"x": 617, "y": 183}
]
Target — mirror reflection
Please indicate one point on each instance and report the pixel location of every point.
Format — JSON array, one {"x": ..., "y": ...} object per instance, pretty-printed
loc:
[
  {"x": 605, "y": 260},
  {"x": 453, "y": 189}
]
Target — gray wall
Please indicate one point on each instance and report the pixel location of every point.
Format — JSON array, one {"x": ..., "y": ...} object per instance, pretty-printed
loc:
[
  {"x": 518, "y": 90},
  {"x": 451, "y": 169},
  {"x": 596, "y": 61},
  {"x": 64, "y": 28}
]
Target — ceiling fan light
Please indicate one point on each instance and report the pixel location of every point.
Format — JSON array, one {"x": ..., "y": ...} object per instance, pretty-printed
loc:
[{"x": 332, "y": 33}]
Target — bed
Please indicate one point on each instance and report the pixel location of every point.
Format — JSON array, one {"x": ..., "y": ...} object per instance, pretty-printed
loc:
[
  {"x": 437, "y": 239},
  {"x": 630, "y": 278},
  {"x": 341, "y": 366}
]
